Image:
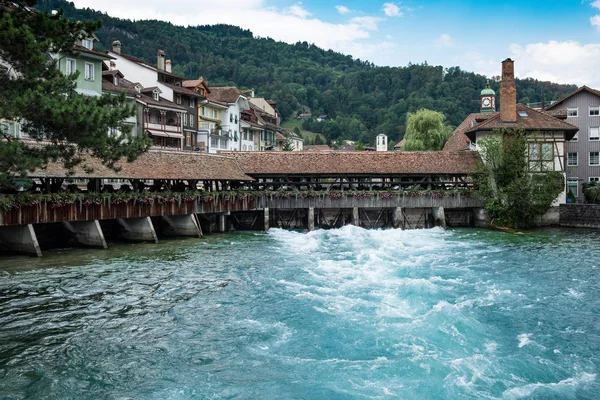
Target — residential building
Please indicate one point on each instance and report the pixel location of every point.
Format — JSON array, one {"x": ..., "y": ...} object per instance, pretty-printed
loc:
[
  {"x": 251, "y": 131},
  {"x": 168, "y": 103},
  {"x": 114, "y": 82},
  {"x": 582, "y": 109},
  {"x": 231, "y": 121},
  {"x": 546, "y": 134},
  {"x": 88, "y": 62}
]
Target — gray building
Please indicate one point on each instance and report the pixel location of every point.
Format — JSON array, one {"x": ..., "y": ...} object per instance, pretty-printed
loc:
[{"x": 582, "y": 109}]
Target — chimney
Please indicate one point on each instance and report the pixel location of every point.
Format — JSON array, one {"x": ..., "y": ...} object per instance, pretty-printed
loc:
[
  {"x": 508, "y": 92},
  {"x": 116, "y": 47},
  {"x": 113, "y": 65},
  {"x": 168, "y": 65},
  {"x": 160, "y": 60}
]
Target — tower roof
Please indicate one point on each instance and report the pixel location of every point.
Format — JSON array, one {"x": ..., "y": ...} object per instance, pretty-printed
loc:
[{"x": 488, "y": 91}]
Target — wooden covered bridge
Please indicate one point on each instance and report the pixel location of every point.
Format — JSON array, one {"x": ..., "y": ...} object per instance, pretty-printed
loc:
[{"x": 167, "y": 193}]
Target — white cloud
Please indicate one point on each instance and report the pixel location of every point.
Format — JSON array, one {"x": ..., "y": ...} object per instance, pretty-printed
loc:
[
  {"x": 369, "y": 23},
  {"x": 562, "y": 62},
  {"x": 289, "y": 25},
  {"x": 595, "y": 20},
  {"x": 392, "y": 10},
  {"x": 299, "y": 11},
  {"x": 444, "y": 40},
  {"x": 345, "y": 10}
]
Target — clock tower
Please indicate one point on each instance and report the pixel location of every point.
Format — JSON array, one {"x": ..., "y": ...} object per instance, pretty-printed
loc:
[{"x": 487, "y": 99}]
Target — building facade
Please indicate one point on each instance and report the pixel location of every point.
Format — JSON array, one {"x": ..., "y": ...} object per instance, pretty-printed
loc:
[{"x": 582, "y": 109}]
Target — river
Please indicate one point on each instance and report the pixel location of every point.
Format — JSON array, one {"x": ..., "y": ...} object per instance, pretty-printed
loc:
[{"x": 331, "y": 314}]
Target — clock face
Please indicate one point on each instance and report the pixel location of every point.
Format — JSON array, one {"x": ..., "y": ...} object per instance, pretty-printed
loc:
[{"x": 486, "y": 101}]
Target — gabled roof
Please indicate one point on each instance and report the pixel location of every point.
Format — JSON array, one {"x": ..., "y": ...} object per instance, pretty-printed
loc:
[
  {"x": 533, "y": 121},
  {"x": 581, "y": 89},
  {"x": 182, "y": 90},
  {"x": 332, "y": 163},
  {"x": 317, "y": 147},
  {"x": 226, "y": 94},
  {"x": 458, "y": 141},
  {"x": 97, "y": 53},
  {"x": 148, "y": 65},
  {"x": 108, "y": 86}
]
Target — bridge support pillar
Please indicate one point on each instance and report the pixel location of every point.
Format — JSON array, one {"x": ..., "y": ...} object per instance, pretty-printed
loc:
[
  {"x": 439, "y": 217},
  {"x": 182, "y": 225},
  {"x": 20, "y": 239},
  {"x": 481, "y": 217},
  {"x": 138, "y": 229},
  {"x": 397, "y": 218},
  {"x": 222, "y": 223},
  {"x": 311, "y": 219},
  {"x": 355, "y": 216},
  {"x": 87, "y": 233},
  {"x": 266, "y": 216}
]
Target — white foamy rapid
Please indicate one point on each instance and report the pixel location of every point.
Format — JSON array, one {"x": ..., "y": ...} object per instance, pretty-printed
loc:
[{"x": 426, "y": 300}]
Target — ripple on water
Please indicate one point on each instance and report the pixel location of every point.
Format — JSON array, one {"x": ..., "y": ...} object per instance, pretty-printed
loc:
[{"x": 345, "y": 313}]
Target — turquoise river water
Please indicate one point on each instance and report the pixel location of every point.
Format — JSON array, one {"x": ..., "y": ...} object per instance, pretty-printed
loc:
[{"x": 339, "y": 314}]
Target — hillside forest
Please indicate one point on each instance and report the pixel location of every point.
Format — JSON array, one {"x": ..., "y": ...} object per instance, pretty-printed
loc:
[{"x": 361, "y": 100}]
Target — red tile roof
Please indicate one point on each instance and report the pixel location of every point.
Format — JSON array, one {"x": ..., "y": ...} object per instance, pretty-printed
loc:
[
  {"x": 534, "y": 121},
  {"x": 458, "y": 141},
  {"x": 226, "y": 94},
  {"x": 157, "y": 164},
  {"x": 356, "y": 163},
  {"x": 317, "y": 147}
]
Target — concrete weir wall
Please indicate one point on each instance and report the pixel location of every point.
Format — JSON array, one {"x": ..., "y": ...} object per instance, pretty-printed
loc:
[{"x": 580, "y": 215}]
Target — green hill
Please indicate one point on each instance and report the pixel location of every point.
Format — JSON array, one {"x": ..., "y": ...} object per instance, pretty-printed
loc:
[{"x": 361, "y": 99}]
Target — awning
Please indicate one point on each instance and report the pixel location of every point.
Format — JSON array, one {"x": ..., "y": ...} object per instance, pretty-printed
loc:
[
  {"x": 88, "y": 92},
  {"x": 155, "y": 132}
]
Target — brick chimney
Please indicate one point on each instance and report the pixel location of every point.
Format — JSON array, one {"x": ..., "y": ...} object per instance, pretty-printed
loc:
[
  {"x": 168, "y": 65},
  {"x": 160, "y": 60},
  {"x": 508, "y": 92},
  {"x": 116, "y": 46}
]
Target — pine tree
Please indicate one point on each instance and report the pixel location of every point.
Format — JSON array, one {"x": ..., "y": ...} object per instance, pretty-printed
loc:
[{"x": 34, "y": 92}]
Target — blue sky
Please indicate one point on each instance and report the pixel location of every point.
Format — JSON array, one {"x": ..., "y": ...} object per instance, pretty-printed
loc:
[{"x": 557, "y": 40}]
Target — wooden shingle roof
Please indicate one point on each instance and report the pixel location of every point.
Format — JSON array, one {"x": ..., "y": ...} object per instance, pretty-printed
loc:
[
  {"x": 156, "y": 164},
  {"x": 356, "y": 163}
]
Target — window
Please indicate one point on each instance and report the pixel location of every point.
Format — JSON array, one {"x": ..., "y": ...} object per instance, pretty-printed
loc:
[
  {"x": 594, "y": 178},
  {"x": 192, "y": 102},
  {"x": 70, "y": 66},
  {"x": 87, "y": 43},
  {"x": 116, "y": 80},
  {"x": 204, "y": 111},
  {"x": 541, "y": 156},
  {"x": 572, "y": 112},
  {"x": 573, "y": 186},
  {"x": 155, "y": 95},
  {"x": 89, "y": 71},
  {"x": 594, "y": 158},
  {"x": 594, "y": 111},
  {"x": 188, "y": 139},
  {"x": 191, "y": 120},
  {"x": 523, "y": 114},
  {"x": 178, "y": 98},
  {"x": 230, "y": 117},
  {"x": 594, "y": 133},
  {"x": 572, "y": 159}
]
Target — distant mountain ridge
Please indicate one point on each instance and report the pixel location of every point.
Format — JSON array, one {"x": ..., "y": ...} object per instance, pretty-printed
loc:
[{"x": 361, "y": 99}]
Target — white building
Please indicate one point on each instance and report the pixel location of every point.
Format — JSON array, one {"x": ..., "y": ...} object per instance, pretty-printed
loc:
[{"x": 382, "y": 142}]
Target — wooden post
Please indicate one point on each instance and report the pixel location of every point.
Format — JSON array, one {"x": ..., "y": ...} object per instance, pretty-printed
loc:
[
  {"x": 355, "y": 217},
  {"x": 311, "y": 219},
  {"x": 266, "y": 212},
  {"x": 397, "y": 218}
]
